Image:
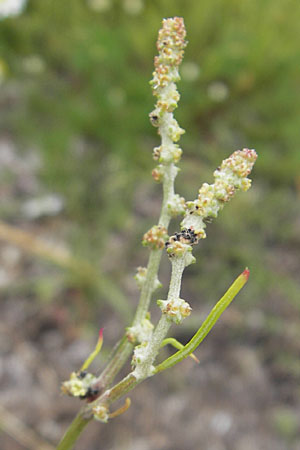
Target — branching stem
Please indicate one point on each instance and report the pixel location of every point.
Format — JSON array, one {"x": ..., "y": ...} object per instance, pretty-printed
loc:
[{"x": 229, "y": 177}]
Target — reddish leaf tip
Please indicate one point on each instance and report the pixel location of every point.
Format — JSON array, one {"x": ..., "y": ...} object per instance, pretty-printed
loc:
[
  {"x": 101, "y": 333},
  {"x": 246, "y": 273}
]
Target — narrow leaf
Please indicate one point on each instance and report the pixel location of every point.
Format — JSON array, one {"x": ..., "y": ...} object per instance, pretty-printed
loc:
[{"x": 208, "y": 323}]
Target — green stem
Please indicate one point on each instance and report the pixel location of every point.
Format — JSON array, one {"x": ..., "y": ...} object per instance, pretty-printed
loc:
[
  {"x": 208, "y": 324},
  {"x": 120, "y": 389},
  {"x": 173, "y": 342},
  {"x": 147, "y": 289},
  {"x": 124, "y": 349},
  {"x": 178, "y": 345},
  {"x": 165, "y": 322},
  {"x": 168, "y": 193},
  {"x": 144, "y": 370},
  {"x": 116, "y": 363},
  {"x": 73, "y": 432}
]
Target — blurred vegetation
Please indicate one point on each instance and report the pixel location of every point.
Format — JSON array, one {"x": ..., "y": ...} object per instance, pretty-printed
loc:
[{"x": 75, "y": 87}]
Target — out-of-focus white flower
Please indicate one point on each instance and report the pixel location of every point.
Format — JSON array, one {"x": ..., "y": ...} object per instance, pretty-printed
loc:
[
  {"x": 218, "y": 91},
  {"x": 133, "y": 6},
  {"x": 11, "y": 7},
  {"x": 49, "y": 205},
  {"x": 190, "y": 71},
  {"x": 221, "y": 422},
  {"x": 33, "y": 64},
  {"x": 99, "y": 5}
]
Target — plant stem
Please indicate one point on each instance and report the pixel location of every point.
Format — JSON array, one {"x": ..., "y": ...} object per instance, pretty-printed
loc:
[
  {"x": 124, "y": 349},
  {"x": 168, "y": 192},
  {"x": 172, "y": 32},
  {"x": 147, "y": 289},
  {"x": 114, "y": 366},
  {"x": 165, "y": 322},
  {"x": 73, "y": 432},
  {"x": 143, "y": 370}
]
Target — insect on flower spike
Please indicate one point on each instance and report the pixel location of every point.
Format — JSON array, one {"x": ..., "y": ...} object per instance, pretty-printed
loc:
[{"x": 93, "y": 355}]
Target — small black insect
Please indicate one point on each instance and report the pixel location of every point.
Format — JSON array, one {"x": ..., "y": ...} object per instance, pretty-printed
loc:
[
  {"x": 187, "y": 235},
  {"x": 82, "y": 374},
  {"x": 154, "y": 119},
  {"x": 91, "y": 392}
]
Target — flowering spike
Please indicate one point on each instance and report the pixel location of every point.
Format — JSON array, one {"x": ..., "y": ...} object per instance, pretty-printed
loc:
[
  {"x": 229, "y": 177},
  {"x": 170, "y": 45},
  {"x": 100, "y": 392},
  {"x": 101, "y": 413},
  {"x": 93, "y": 355},
  {"x": 156, "y": 237}
]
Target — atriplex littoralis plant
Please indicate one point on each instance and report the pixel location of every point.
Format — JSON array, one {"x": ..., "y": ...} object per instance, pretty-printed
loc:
[{"x": 142, "y": 337}]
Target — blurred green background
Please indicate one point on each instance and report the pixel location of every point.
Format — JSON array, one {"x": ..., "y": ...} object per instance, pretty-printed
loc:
[{"x": 74, "y": 100}]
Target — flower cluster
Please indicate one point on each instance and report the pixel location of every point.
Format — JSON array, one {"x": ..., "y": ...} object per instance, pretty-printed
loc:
[
  {"x": 101, "y": 413},
  {"x": 170, "y": 45},
  {"x": 155, "y": 237},
  {"x": 140, "y": 353},
  {"x": 141, "y": 332},
  {"x": 180, "y": 243},
  {"x": 175, "y": 153},
  {"x": 139, "y": 360},
  {"x": 229, "y": 177},
  {"x": 79, "y": 385},
  {"x": 176, "y": 309},
  {"x": 158, "y": 173},
  {"x": 141, "y": 276},
  {"x": 176, "y": 206}
]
